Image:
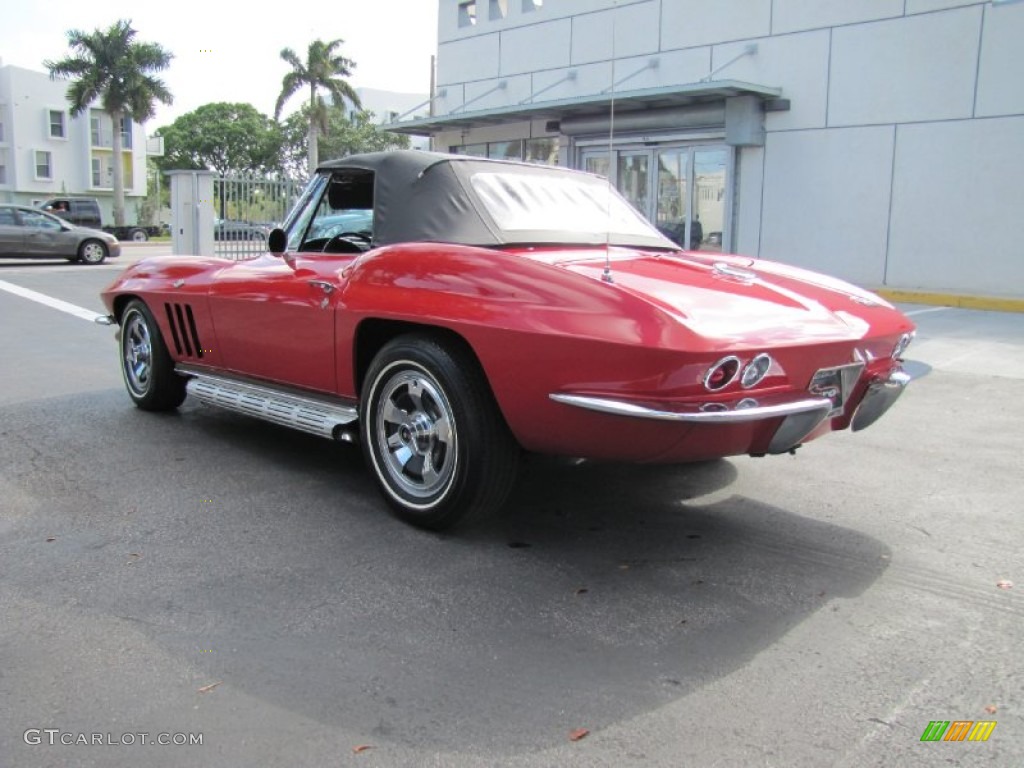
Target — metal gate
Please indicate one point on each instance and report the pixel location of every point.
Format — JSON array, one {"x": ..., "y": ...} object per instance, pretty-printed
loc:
[{"x": 246, "y": 208}]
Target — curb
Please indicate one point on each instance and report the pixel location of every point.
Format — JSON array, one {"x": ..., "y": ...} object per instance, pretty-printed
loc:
[{"x": 990, "y": 303}]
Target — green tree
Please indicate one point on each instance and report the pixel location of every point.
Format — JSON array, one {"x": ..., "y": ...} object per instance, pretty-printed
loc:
[
  {"x": 323, "y": 69},
  {"x": 222, "y": 137},
  {"x": 111, "y": 67},
  {"x": 345, "y": 136}
]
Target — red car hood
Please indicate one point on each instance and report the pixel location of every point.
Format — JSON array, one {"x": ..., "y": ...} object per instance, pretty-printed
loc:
[{"x": 736, "y": 299}]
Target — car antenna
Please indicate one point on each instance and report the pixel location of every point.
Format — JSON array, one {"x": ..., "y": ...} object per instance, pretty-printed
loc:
[{"x": 606, "y": 276}]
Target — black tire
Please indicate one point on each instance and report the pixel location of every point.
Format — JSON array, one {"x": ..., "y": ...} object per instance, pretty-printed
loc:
[
  {"x": 92, "y": 252},
  {"x": 138, "y": 236},
  {"x": 146, "y": 365},
  {"x": 432, "y": 433}
]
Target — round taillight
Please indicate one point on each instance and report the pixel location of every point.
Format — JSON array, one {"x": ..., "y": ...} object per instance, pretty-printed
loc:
[
  {"x": 901, "y": 345},
  {"x": 721, "y": 374},
  {"x": 756, "y": 370},
  {"x": 714, "y": 407}
]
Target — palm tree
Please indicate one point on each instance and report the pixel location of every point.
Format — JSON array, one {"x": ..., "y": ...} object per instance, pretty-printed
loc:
[
  {"x": 323, "y": 68},
  {"x": 110, "y": 67}
]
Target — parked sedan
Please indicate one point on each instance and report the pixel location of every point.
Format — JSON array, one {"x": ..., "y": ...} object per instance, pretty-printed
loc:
[
  {"x": 497, "y": 307},
  {"x": 229, "y": 229},
  {"x": 28, "y": 233}
]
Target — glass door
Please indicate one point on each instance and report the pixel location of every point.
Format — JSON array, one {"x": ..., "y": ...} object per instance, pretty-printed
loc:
[
  {"x": 672, "y": 211},
  {"x": 708, "y": 222},
  {"x": 632, "y": 179},
  {"x": 596, "y": 162},
  {"x": 683, "y": 190}
]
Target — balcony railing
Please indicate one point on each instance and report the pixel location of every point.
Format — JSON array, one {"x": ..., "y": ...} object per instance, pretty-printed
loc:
[{"x": 105, "y": 140}]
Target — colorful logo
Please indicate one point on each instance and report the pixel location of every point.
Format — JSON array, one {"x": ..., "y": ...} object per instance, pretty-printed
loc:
[{"x": 958, "y": 730}]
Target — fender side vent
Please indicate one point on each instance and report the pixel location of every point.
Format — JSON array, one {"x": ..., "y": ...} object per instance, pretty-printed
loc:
[{"x": 183, "y": 330}]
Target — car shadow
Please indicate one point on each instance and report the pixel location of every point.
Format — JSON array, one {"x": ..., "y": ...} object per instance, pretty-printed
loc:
[{"x": 601, "y": 591}]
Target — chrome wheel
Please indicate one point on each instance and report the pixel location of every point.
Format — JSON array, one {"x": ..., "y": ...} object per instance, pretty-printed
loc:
[
  {"x": 414, "y": 424},
  {"x": 146, "y": 364},
  {"x": 432, "y": 433},
  {"x": 92, "y": 252},
  {"x": 137, "y": 349}
]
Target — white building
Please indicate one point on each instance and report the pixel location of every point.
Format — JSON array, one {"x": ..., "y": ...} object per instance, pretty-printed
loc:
[
  {"x": 878, "y": 140},
  {"x": 45, "y": 152},
  {"x": 390, "y": 105}
]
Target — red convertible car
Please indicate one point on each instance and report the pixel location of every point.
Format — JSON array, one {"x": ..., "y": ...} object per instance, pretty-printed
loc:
[{"x": 485, "y": 308}]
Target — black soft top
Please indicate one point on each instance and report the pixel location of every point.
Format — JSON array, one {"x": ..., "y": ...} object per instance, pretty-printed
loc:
[{"x": 430, "y": 197}]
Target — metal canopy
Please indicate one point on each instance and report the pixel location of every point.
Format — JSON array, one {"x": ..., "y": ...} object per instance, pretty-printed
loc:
[{"x": 594, "y": 104}]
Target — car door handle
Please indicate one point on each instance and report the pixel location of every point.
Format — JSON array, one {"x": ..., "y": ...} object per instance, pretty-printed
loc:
[{"x": 323, "y": 285}]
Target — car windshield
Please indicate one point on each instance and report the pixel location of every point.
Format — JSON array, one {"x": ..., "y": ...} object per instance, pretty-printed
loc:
[
  {"x": 578, "y": 203},
  {"x": 298, "y": 217}
]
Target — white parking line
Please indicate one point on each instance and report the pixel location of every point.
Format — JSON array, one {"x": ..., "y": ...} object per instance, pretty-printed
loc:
[
  {"x": 923, "y": 311},
  {"x": 49, "y": 301}
]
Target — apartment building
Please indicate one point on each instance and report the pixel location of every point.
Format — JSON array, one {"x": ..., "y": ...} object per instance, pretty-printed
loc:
[
  {"x": 46, "y": 152},
  {"x": 881, "y": 141}
]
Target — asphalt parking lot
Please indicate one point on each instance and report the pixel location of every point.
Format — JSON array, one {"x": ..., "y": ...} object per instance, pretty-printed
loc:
[{"x": 201, "y": 573}]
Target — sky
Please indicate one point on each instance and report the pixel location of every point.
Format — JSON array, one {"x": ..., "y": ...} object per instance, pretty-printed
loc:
[{"x": 231, "y": 51}]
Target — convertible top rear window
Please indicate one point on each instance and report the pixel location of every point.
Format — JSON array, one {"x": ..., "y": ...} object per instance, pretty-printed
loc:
[
  {"x": 432, "y": 197},
  {"x": 581, "y": 204}
]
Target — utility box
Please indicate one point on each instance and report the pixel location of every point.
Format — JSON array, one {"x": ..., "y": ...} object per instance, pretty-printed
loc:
[{"x": 192, "y": 212}]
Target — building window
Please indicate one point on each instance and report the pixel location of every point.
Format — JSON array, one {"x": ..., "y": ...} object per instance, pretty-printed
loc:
[
  {"x": 44, "y": 164},
  {"x": 57, "y": 124},
  {"x": 101, "y": 130},
  {"x": 499, "y": 9},
  {"x": 1, "y": 124},
  {"x": 467, "y": 13},
  {"x": 103, "y": 172},
  {"x": 126, "y": 133},
  {"x": 543, "y": 151},
  {"x": 532, "y": 5},
  {"x": 3, "y": 166},
  {"x": 473, "y": 150},
  {"x": 506, "y": 150},
  {"x": 97, "y": 135}
]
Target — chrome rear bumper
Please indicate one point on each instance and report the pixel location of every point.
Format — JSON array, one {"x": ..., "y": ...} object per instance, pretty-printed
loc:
[
  {"x": 747, "y": 409},
  {"x": 801, "y": 413},
  {"x": 881, "y": 394}
]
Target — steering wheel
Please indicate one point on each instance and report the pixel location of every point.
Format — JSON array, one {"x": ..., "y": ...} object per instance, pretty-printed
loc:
[
  {"x": 362, "y": 236},
  {"x": 346, "y": 243}
]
